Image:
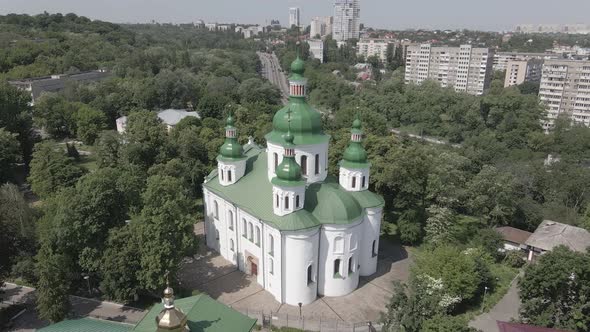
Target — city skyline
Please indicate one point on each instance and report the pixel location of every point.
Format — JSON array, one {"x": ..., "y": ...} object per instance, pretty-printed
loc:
[{"x": 408, "y": 15}]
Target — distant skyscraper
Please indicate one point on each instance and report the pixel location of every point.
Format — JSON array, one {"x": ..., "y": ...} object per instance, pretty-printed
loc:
[
  {"x": 346, "y": 20},
  {"x": 294, "y": 17}
]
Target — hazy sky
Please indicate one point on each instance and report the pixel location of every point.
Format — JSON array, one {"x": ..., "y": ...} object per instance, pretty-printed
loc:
[{"x": 395, "y": 14}]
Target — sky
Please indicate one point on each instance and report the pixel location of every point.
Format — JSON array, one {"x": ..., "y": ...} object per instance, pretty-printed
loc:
[{"x": 495, "y": 15}]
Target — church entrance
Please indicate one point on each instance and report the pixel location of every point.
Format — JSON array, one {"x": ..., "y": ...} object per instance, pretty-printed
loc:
[{"x": 252, "y": 267}]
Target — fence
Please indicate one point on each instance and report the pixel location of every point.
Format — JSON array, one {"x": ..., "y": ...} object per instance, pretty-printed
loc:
[{"x": 270, "y": 319}]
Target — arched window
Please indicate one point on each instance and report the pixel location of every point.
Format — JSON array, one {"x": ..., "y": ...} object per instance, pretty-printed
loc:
[
  {"x": 374, "y": 250},
  {"x": 353, "y": 182},
  {"x": 244, "y": 227},
  {"x": 304, "y": 165},
  {"x": 276, "y": 161},
  {"x": 230, "y": 221},
  {"x": 309, "y": 274},
  {"x": 286, "y": 202},
  {"x": 317, "y": 164},
  {"x": 350, "y": 265},
  {"x": 338, "y": 244},
  {"x": 231, "y": 244},
  {"x": 222, "y": 175},
  {"x": 229, "y": 175},
  {"x": 271, "y": 266},
  {"x": 250, "y": 232},
  {"x": 271, "y": 245},
  {"x": 297, "y": 201},
  {"x": 217, "y": 235},
  {"x": 277, "y": 199},
  {"x": 337, "y": 268},
  {"x": 215, "y": 209},
  {"x": 364, "y": 182},
  {"x": 258, "y": 236}
]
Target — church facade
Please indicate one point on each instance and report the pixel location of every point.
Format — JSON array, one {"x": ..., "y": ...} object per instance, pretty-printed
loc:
[{"x": 276, "y": 214}]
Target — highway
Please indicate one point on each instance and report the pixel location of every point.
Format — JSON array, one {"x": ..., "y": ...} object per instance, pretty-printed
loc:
[{"x": 271, "y": 70}]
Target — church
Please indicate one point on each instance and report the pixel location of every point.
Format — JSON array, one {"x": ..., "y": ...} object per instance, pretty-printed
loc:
[{"x": 277, "y": 215}]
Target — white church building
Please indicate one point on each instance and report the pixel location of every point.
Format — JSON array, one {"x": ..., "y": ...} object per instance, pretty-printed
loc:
[{"x": 277, "y": 214}]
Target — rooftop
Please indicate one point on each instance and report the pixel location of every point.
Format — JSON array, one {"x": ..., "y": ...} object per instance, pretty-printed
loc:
[
  {"x": 325, "y": 202},
  {"x": 87, "y": 325},
  {"x": 551, "y": 234},
  {"x": 513, "y": 235},
  {"x": 172, "y": 117}
]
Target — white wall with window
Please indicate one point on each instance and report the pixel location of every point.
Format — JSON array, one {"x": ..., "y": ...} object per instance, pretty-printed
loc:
[
  {"x": 338, "y": 258},
  {"x": 301, "y": 251},
  {"x": 354, "y": 179},
  {"x": 230, "y": 172},
  {"x": 313, "y": 160},
  {"x": 370, "y": 242}
]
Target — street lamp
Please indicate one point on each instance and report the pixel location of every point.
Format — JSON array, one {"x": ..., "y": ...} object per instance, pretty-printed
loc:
[
  {"x": 299, "y": 304},
  {"x": 87, "y": 278},
  {"x": 370, "y": 327},
  {"x": 485, "y": 291}
]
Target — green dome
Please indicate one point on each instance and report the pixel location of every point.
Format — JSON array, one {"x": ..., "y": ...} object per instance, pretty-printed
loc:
[
  {"x": 231, "y": 149},
  {"x": 288, "y": 173},
  {"x": 306, "y": 124},
  {"x": 355, "y": 153},
  {"x": 298, "y": 66},
  {"x": 342, "y": 208}
]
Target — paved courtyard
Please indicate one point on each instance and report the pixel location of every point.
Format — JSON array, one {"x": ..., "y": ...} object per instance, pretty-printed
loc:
[{"x": 212, "y": 274}]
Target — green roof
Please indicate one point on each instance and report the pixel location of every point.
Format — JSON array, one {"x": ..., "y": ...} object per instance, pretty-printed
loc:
[
  {"x": 325, "y": 202},
  {"x": 204, "y": 315},
  {"x": 88, "y": 325},
  {"x": 306, "y": 124}
]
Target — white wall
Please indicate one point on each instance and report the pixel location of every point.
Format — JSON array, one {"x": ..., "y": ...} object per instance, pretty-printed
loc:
[
  {"x": 340, "y": 242},
  {"x": 237, "y": 168},
  {"x": 300, "y": 251},
  {"x": 248, "y": 244},
  {"x": 371, "y": 231},
  {"x": 346, "y": 175}
]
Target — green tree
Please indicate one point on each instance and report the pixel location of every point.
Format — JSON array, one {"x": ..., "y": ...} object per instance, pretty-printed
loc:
[
  {"x": 119, "y": 265},
  {"x": 108, "y": 147},
  {"x": 10, "y": 154},
  {"x": 53, "y": 288},
  {"x": 555, "y": 291},
  {"x": 55, "y": 115},
  {"x": 52, "y": 170},
  {"x": 446, "y": 323},
  {"x": 16, "y": 117},
  {"x": 492, "y": 194},
  {"x": 89, "y": 123},
  {"x": 439, "y": 224},
  {"x": 146, "y": 139},
  {"x": 165, "y": 230}
]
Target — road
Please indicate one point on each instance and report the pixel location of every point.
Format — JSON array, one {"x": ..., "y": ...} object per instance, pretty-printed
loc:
[
  {"x": 271, "y": 70},
  {"x": 424, "y": 138},
  {"x": 505, "y": 310}
]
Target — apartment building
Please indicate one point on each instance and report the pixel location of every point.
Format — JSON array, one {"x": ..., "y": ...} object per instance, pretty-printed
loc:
[
  {"x": 554, "y": 28},
  {"x": 346, "y": 20},
  {"x": 520, "y": 71},
  {"x": 565, "y": 90},
  {"x": 316, "y": 49},
  {"x": 465, "y": 68},
  {"x": 321, "y": 26},
  {"x": 501, "y": 59},
  {"x": 374, "y": 47}
]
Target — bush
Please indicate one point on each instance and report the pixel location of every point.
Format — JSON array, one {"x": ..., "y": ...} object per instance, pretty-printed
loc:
[
  {"x": 514, "y": 259},
  {"x": 410, "y": 232}
]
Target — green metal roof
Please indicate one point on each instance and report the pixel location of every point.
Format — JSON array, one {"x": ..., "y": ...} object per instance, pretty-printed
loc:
[
  {"x": 88, "y": 325},
  {"x": 306, "y": 124},
  {"x": 325, "y": 202},
  {"x": 204, "y": 315}
]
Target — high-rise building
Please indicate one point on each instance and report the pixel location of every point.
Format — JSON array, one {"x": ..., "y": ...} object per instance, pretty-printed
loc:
[
  {"x": 554, "y": 28},
  {"x": 294, "y": 17},
  {"x": 346, "y": 20},
  {"x": 321, "y": 26},
  {"x": 565, "y": 90},
  {"x": 520, "y": 71},
  {"x": 316, "y": 49},
  {"x": 374, "y": 47},
  {"x": 466, "y": 68}
]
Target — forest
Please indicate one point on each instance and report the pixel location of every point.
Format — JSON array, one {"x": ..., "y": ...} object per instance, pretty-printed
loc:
[{"x": 103, "y": 202}]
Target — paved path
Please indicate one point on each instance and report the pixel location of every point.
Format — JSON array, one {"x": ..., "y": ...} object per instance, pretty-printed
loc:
[
  {"x": 504, "y": 310},
  {"x": 81, "y": 307},
  {"x": 425, "y": 138},
  {"x": 212, "y": 274},
  {"x": 271, "y": 70}
]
